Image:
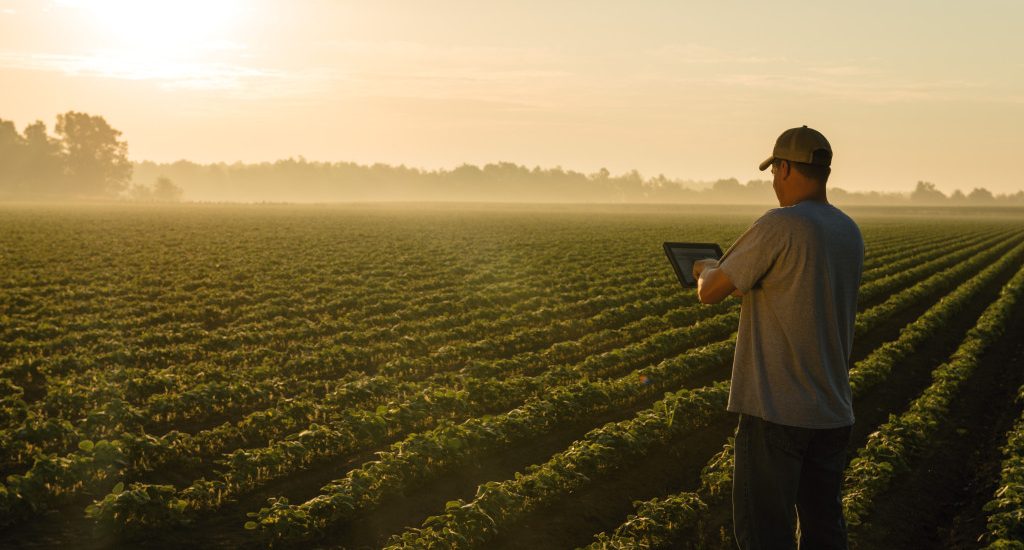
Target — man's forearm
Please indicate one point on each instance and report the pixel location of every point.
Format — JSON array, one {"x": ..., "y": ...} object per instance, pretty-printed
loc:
[{"x": 713, "y": 286}]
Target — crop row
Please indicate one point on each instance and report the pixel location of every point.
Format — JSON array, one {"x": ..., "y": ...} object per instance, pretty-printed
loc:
[
  {"x": 170, "y": 403},
  {"x": 188, "y": 336},
  {"x": 941, "y": 281},
  {"x": 477, "y": 397},
  {"x": 872, "y": 291},
  {"x": 219, "y": 495},
  {"x": 659, "y": 522},
  {"x": 905, "y": 258},
  {"x": 348, "y": 429},
  {"x": 876, "y": 367},
  {"x": 605, "y": 449},
  {"x": 101, "y": 456},
  {"x": 505, "y": 368},
  {"x": 116, "y": 415},
  {"x": 241, "y": 395},
  {"x": 884, "y": 241},
  {"x": 460, "y": 524},
  {"x": 895, "y": 244},
  {"x": 148, "y": 452},
  {"x": 1006, "y": 509},
  {"x": 117, "y": 418},
  {"x": 347, "y": 343},
  {"x": 130, "y": 350},
  {"x": 276, "y": 509},
  {"x": 295, "y": 412},
  {"x": 423, "y": 455},
  {"x": 890, "y": 449},
  {"x": 664, "y": 522}
]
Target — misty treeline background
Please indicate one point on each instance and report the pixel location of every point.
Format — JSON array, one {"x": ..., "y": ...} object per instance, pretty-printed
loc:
[{"x": 86, "y": 159}]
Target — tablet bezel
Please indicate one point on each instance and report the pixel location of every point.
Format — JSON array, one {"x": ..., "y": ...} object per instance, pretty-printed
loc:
[{"x": 668, "y": 246}]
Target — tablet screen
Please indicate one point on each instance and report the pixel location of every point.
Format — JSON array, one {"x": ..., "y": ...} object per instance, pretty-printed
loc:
[{"x": 682, "y": 256}]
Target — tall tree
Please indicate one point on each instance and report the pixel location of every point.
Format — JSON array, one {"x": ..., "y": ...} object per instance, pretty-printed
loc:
[
  {"x": 95, "y": 159},
  {"x": 12, "y": 147},
  {"x": 43, "y": 163}
]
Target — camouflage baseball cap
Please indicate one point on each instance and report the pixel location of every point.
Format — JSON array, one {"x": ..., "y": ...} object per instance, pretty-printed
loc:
[{"x": 801, "y": 145}]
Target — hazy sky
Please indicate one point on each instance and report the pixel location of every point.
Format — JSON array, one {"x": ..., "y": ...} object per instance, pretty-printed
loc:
[{"x": 905, "y": 91}]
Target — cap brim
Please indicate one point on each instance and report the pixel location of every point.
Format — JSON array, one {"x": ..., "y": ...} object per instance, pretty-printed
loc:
[{"x": 767, "y": 163}]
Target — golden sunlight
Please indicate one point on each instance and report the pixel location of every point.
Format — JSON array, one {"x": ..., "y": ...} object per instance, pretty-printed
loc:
[{"x": 158, "y": 33}]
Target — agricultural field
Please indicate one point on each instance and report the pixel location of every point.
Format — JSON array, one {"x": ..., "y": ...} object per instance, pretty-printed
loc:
[{"x": 470, "y": 376}]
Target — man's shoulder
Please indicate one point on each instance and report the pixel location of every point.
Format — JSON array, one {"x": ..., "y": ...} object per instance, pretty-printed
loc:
[
  {"x": 773, "y": 217},
  {"x": 810, "y": 223},
  {"x": 809, "y": 213},
  {"x": 786, "y": 216}
]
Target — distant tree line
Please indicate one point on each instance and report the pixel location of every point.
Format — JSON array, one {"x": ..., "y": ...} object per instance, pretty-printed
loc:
[
  {"x": 308, "y": 181},
  {"x": 926, "y": 193},
  {"x": 85, "y": 159},
  {"x": 300, "y": 180}
]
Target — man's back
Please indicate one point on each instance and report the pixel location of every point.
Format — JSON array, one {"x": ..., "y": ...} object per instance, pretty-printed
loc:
[{"x": 799, "y": 268}]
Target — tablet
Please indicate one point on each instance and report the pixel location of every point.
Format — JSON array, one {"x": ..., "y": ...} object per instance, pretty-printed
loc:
[{"x": 682, "y": 256}]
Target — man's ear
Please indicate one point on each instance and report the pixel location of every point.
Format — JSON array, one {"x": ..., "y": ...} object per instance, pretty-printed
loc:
[{"x": 784, "y": 168}]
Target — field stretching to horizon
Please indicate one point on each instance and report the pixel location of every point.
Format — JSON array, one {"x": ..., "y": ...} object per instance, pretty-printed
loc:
[{"x": 470, "y": 376}]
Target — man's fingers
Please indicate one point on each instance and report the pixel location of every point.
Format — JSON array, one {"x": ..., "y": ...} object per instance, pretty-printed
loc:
[{"x": 701, "y": 265}]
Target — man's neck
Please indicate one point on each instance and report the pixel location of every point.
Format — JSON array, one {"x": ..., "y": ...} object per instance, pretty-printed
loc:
[{"x": 817, "y": 195}]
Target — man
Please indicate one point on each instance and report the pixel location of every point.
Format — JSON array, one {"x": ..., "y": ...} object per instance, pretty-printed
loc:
[{"x": 797, "y": 269}]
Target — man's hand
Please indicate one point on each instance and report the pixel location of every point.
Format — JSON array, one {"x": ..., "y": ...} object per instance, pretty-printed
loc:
[
  {"x": 700, "y": 265},
  {"x": 713, "y": 285}
]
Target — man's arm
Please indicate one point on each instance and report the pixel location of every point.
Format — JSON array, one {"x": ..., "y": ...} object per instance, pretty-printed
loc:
[{"x": 713, "y": 284}]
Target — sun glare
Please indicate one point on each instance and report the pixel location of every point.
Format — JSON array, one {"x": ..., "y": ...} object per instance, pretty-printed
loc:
[{"x": 159, "y": 30}]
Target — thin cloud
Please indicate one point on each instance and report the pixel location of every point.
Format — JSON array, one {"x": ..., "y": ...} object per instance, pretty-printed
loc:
[
  {"x": 171, "y": 75},
  {"x": 848, "y": 84},
  {"x": 390, "y": 51},
  {"x": 841, "y": 70},
  {"x": 459, "y": 83},
  {"x": 696, "y": 54},
  {"x": 862, "y": 90},
  {"x": 211, "y": 75},
  {"x": 514, "y": 77}
]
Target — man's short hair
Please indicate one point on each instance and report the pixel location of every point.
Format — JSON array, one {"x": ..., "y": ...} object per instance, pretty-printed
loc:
[{"x": 816, "y": 172}]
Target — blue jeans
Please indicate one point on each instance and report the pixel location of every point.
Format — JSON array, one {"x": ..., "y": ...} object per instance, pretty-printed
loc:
[{"x": 785, "y": 474}]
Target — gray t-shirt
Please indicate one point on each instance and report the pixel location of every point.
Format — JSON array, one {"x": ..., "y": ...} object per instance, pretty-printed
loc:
[{"x": 799, "y": 268}]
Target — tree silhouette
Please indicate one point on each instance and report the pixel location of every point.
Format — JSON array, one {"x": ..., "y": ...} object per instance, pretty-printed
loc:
[
  {"x": 165, "y": 190},
  {"x": 926, "y": 192},
  {"x": 980, "y": 194},
  {"x": 11, "y": 157},
  {"x": 95, "y": 160},
  {"x": 43, "y": 163}
]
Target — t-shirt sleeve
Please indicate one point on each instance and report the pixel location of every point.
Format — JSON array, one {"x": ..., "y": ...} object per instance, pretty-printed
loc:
[{"x": 753, "y": 254}]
